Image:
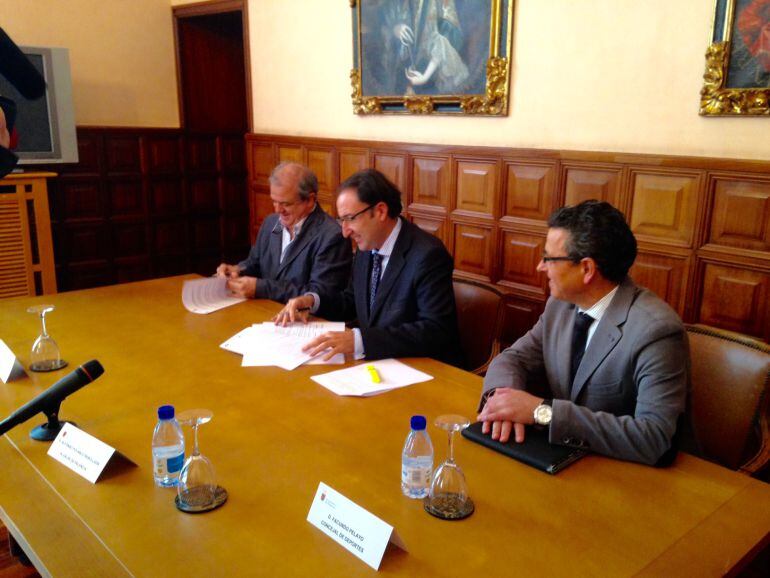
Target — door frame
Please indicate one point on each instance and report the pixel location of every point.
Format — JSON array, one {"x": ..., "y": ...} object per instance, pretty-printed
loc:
[{"x": 205, "y": 9}]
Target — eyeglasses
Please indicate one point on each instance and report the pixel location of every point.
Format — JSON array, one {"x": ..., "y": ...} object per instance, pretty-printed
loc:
[
  {"x": 554, "y": 259},
  {"x": 354, "y": 216}
]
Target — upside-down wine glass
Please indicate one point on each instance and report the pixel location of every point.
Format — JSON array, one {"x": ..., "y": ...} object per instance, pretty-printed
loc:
[
  {"x": 448, "y": 496},
  {"x": 45, "y": 355},
  {"x": 197, "y": 488}
]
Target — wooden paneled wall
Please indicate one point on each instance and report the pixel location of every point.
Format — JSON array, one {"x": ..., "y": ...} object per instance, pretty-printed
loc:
[
  {"x": 145, "y": 203},
  {"x": 703, "y": 224}
]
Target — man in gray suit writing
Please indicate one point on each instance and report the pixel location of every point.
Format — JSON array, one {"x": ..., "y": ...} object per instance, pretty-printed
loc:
[
  {"x": 613, "y": 355},
  {"x": 299, "y": 248}
]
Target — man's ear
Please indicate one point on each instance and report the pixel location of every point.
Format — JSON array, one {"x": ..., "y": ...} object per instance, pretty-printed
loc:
[
  {"x": 589, "y": 269},
  {"x": 381, "y": 210}
]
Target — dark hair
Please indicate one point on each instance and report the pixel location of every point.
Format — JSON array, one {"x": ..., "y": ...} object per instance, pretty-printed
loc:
[
  {"x": 598, "y": 230},
  {"x": 307, "y": 182},
  {"x": 373, "y": 187}
]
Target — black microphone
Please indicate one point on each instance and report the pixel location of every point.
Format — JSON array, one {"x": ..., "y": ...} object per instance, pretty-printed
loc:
[
  {"x": 19, "y": 71},
  {"x": 49, "y": 401}
]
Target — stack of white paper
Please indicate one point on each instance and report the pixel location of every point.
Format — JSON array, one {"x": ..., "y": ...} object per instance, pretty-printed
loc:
[
  {"x": 207, "y": 295},
  {"x": 358, "y": 380},
  {"x": 267, "y": 344}
]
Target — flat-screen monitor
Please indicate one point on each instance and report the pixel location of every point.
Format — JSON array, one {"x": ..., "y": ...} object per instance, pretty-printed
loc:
[{"x": 46, "y": 126}]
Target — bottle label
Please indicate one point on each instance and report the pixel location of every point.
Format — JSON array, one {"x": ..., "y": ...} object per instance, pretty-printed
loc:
[
  {"x": 165, "y": 466},
  {"x": 415, "y": 476}
]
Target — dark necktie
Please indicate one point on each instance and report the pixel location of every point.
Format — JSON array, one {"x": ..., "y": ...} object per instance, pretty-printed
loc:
[
  {"x": 579, "y": 336},
  {"x": 374, "y": 279}
]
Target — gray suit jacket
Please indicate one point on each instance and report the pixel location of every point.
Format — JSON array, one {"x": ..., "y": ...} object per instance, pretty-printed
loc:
[
  {"x": 317, "y": 260},
  {"x": 631, "y": 386}
]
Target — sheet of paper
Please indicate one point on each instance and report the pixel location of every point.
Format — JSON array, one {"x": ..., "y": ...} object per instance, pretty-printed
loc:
[
  {"x": 80, "y": 452},
  {"x": 358, "y": 381},
  {"x": 240, "y": 342},
  {"x": 207, "y": 295},
  {"x": 10, "y": 367},
  {"x": 351, "y": 526}
]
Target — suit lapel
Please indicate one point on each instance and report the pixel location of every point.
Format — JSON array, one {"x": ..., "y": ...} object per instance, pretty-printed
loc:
[
  {"x": 306, "y": 234},
  {"x": 606, "y": 336},
  {"x": 563, "y": 350},
  {"x": 396, "y": 263},
  {"x": 274, "y": 252}
]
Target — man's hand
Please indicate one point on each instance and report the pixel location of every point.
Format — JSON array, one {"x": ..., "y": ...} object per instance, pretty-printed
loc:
[
  {"x": 243, "y": 286},
  {"x": 297, "y": 309},
  {"x": 229, "y": 271},
  {"x": 5, "y": 136},
  {"x": 508, "y": 409},
  {"x": 334, "y": 341}
]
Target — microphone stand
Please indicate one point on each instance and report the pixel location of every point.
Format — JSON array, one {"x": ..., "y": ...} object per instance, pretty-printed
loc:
[{"x": 47, "y": 432}]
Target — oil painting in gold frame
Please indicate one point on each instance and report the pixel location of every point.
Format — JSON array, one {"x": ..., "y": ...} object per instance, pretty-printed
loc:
[{"x": 431, "y": 56}]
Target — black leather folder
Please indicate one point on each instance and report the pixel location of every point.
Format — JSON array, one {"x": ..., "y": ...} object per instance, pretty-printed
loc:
[{"x": 534, "y": 451}]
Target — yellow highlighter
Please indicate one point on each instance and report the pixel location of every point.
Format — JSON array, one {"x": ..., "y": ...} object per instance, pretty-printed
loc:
[{"x": 373, "y": 373}]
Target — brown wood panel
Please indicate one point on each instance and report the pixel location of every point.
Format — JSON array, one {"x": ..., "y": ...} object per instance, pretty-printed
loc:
[
  {"x": 476, "y": 186},
  {"x": 201, "y": 153},
  {"x": 664, "y": 207},
  {"x": 123, "y": 154},
  {"x": 166, "y": 197},
  {"x": 205, "y": 233},
  {"x": 290, "y": 154},
  {"x": 79, "y": 242},
  {"x": 352, "y": 160},
  {"x": 129, "y": 239},
  {"x": 162, "y": 155},
  {"x": 473, "y": 245},
  {"x": 528, "y": 189},
  {"x": 433, "y": 223},
  {"x": 582, "y": 183},
  {"x": 232, "y": 154},
  {"x": 393, "y": 167},
  {"x": 736, "y": 299},
  {"x": 89, "y": 151},
  {"x": 170, "y": 236},
  {"x": 431, "y": 180},
  {"x": 519, "y": 255},
  {"x": 260, "y": 162},
  {"x": 681, "y": 208},
  {"x": 741, "y": 216},
  {"x": 81, "y": 199},
  {"x": 665, "y": 275},
  {"x": 235, "y": 196},
  {"x": 126, "y": 198},
  {"x": 204, "y": 194},
  {"x": 322, "y": 162}
]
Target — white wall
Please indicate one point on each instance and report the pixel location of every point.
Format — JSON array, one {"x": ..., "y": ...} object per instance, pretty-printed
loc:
[
  {"x": 610, "y": 75},
  {"x": 121, "y": 55}
]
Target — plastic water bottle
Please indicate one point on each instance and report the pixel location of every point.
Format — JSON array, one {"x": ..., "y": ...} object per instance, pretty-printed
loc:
[
  {"x": 417, "y": 460},
  {"x": 167, "y": 448}
]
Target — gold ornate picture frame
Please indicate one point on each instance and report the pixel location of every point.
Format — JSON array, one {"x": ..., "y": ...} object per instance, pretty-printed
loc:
[
  {"x": 737, "y": 77},
  {"x": 431, "y": 56}
]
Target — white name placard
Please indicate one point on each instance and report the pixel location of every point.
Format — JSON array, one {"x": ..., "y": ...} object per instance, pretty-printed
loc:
[
  {"x": 81, "y": 452},
  {"x": 348, "y": 524},
  {"x": 10, "y": 368}
]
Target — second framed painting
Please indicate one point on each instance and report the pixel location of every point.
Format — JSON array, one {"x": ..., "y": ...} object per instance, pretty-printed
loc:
[{"x": 431, "y": 56}]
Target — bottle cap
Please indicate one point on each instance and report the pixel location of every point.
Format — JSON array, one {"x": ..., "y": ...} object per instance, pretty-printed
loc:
[
  {"x": 166, "y": 412},
  {"x": 418, "y": 422}
]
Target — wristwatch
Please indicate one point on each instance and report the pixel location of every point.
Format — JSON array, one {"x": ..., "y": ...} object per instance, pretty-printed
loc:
[{"x": 543, "y": 413}]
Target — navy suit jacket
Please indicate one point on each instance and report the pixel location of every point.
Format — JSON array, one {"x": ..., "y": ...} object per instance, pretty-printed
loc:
[
  {"x": 414, "y": 311},
  {"x": 317, "y": 260}
]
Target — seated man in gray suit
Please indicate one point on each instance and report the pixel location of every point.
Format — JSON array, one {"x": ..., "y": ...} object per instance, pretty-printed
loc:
[
  {"x": 614, "y": 356},
  {"x": 400, "y": 292},
  {"x": 299, "y": 248}
]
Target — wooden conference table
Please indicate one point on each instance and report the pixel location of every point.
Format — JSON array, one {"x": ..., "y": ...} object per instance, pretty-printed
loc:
[{"x": 276, "y": 434}]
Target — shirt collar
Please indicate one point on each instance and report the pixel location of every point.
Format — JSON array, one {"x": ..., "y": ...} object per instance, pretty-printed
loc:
[
  {"x": 387, "y": 247},
  {"x": 598, "y": 309}
]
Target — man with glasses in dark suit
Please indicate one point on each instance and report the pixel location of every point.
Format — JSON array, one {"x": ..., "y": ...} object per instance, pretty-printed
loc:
[
  {"x": 400, "y": 292},
  {"x": 614, "y": 355}
]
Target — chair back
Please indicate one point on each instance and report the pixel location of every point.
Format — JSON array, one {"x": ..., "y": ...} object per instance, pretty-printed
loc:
[
  {"x": 480, "y": 319},
  {"x": 730, "y": 376}
]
